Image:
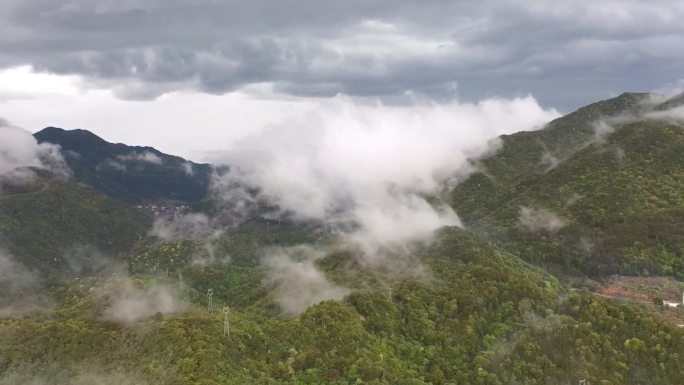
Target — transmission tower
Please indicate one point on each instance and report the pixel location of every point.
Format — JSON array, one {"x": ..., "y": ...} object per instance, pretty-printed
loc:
[
  {"x": 226, "y": 322},
  {"x": 180, "y": 280},
  {"x": 210, "y": 307},
  {"x": 178, "y": 216}
]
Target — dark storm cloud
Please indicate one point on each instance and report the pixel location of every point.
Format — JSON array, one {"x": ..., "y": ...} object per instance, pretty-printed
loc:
[{"x": 565, "y": 52}]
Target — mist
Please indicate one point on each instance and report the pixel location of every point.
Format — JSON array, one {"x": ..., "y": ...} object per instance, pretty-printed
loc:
[
  {"x": 187, "y": 168},
  {"x": 145, "y": 157},
  {"x": 673, "y": 115},
  {"x": 548, "y": 161},
  {"x": 129, "y": 301},
  {"x": 117, "y": 295},
  {"x": 87, "y": 261},
  {"x": 21, "y": 288},
  {"x": 606, "y": 126},
  {"x": 195, "y": 226},
  {"x": 19, "y": 151},
  {"x": 540, "y": 219},
  {"x": 111, "y": 165},
  {"x": 296, "y": 282},
  {"x": 384, "y": 169}
]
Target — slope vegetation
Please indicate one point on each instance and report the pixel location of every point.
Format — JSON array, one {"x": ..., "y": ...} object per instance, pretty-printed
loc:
[
  {"x": 482, "y": 317},
  {"x": 41, "y": 225},
  {"x": 599, "y": 191}
]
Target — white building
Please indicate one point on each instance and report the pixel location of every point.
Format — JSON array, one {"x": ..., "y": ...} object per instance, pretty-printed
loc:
[
  {"x": 671, "y": 304},
  {"x": 674, "y": 304}
]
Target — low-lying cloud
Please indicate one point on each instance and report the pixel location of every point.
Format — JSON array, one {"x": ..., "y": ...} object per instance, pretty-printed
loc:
[
  {"x": 193, "y": 226},
  {"x": 112, "y": 165},
  {"x": 19, "y": 151},
  {"x": 381, "y": 168},
  {"x": 187, "y": 168},
  {"x": 21, "y": 289},
  {"x": 295, "y": 280},
  {"x": 86, "y": 261},
  {"x": 121, "y": 162},
  {"x": 145, "y": 157},
  {"x": 130, "y": 302},
  {"x": 548, "y": 161},
  {"x": 540, "y": 219},
  {"x": 672, "y": 111},
  {"x": 673, "y": 115}
]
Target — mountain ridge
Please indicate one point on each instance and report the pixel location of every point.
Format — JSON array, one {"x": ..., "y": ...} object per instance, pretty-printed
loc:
[
  {"x": 613, "y": 158},
  {"x": 133, "y": 174}
]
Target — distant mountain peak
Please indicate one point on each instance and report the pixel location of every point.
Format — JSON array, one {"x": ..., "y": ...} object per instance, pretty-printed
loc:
[
  {"x": 129, "y": 173},
  {"x": 52, "y": 129},
  {"x": 77, "y": 134}
]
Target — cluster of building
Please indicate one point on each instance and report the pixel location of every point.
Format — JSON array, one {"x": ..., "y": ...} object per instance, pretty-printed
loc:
[{"x": 156, "y": 209}]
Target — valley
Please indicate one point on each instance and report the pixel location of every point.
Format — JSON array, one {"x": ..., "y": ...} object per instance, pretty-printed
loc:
[{"x": 571, "y": 238}]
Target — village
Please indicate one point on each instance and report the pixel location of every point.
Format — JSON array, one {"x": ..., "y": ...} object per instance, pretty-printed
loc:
[{"x": 162, "y": 209}]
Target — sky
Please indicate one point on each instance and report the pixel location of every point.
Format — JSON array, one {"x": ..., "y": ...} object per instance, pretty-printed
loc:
[{"x": 197, "y": 77}]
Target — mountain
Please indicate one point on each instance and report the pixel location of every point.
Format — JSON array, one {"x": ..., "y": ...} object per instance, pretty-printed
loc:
[
  {"x": 483, "y": 317},
  {"x": 129, "y": 173},
  {"x": 42, "y": 224},
  {"x": 598, "y": 191},
  {"x": 595, "y": 192}
]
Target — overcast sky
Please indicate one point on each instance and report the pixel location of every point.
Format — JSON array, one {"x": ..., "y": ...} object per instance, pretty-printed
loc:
[{"x": 159, "y": 71}]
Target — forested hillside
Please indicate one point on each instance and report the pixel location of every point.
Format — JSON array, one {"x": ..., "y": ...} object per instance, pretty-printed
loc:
[
  {"x": 52, "y": 218},
  {"x": 481, "y": 316},
  {"x": 598, "y": 191}
]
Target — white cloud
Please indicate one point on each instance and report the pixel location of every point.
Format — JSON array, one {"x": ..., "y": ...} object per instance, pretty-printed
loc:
[
  {"x": 195, "y": 226},
  {"x": 129, "y": 302},
  {"x": 111, "y": 164},
  {"x": 21, "y": 288},
  {"x": 295, "y": 280},
  {"x": 373, "y": 164},
  {"x": 548, "y": 161},
  {"x": 145, "y": 156},
  {"x": 187, "y": 168},
  {"x": 336, "y": 160},
  {"x": 184, "y": 226},
  {"x": 674, "y": 115},
  {"x": 23, "y": 83},
  {"x": 19, "y": 151},
  {"x": 163, "y": 123}
]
